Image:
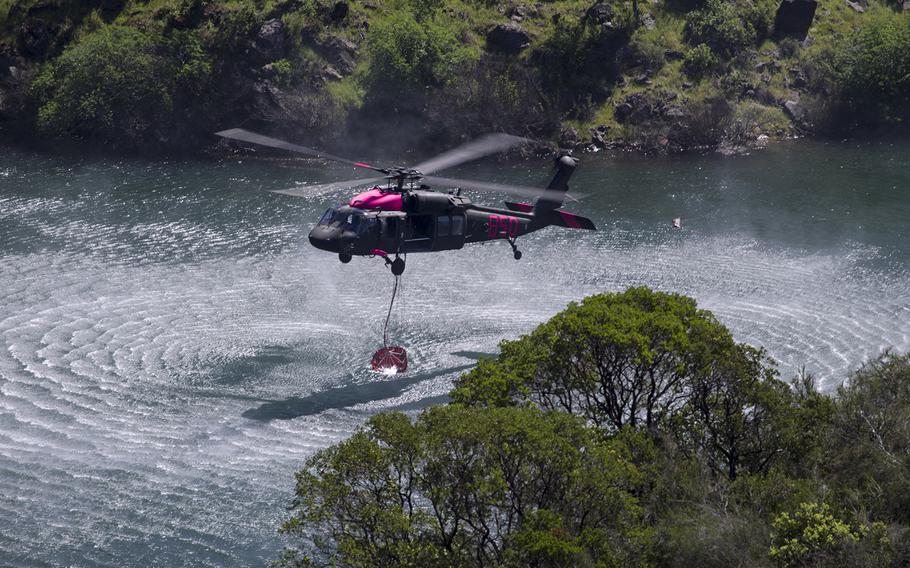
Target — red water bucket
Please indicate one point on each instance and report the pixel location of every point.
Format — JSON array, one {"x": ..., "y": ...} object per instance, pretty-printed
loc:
[{"x": 388, "y": 359}]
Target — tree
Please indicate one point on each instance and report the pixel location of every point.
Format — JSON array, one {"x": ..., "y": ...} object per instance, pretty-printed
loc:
[
  {"x": 470, "y": 487},
  {"x": 869, "y": 451},
  {"x": 738, "y": 409},
  {"x": 615, "y": 359}
]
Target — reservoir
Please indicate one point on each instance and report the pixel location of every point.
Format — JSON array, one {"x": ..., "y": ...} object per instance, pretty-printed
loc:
[{"x": 172, "y": 349}]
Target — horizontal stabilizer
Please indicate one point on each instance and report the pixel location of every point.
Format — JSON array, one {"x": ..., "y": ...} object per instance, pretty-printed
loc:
[
  {"x": 520, "y": 207},
  {"x": 570, "y": 220}
]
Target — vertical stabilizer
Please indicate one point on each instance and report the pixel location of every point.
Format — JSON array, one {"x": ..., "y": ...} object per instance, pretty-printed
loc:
[{"x": 555, "y": 193}]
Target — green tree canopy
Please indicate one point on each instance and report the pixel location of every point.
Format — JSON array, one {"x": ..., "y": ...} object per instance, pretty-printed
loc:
[
  {"x": 118, "y": 84},
  {"x": 615, "y": 359},
  {"x": 472, "y": 487}
]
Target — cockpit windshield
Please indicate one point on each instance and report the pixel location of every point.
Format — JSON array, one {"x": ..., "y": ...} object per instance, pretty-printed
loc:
[{"x": 350, "y": 220}]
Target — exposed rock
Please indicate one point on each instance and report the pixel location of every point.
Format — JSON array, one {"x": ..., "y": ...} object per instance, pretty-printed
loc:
[
  {"x": 767, "y": 66},
  {"x": 642, "y": 107},
  {"x": 794, "y": 17},
  {"x": 270, "y": 44},
  {"x": 687, "y": 85},
  {"x": 599, "y": 136},
  {"x": 906, "y": 6},
  {"x": 856, "y": 6},
  {"x": 508, "y": 38},
  {"x": 568, "y": 138},
  {"x": 330, "y": 72},
  {"x": 795, "y": 111},
  {"x": 340, "y": 52},
  {"x": 798, "y": 78},
  {"x": 523, "y": 12},
  {"x": 339, "y": 11},
  {"x": 600, "y": 14},
  {"x": 648, "y": 22}
]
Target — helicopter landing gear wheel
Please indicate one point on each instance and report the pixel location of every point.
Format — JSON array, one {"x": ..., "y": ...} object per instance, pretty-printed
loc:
[
  {"x": 515, "y": 252},
  {"x": 397, "y": 267},
  {"x": 345, "y": 257}
]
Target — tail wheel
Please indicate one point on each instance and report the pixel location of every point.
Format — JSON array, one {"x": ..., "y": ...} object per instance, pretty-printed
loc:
[
  {"x": 397, "y": 267},
  {"x": 517, "y": 255},
  {"x": 344, "y": 257}
]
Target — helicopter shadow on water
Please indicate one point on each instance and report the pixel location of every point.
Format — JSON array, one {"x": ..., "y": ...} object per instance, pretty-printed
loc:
[{"x": 351, "y": 395}]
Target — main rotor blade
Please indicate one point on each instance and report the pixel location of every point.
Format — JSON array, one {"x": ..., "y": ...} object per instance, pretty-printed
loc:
[
  {"x": 476, "y": 149},
  {"x": 253, "y": 138},
  {"x": 324, "y": 188},
  {"x": 517, "y": 190}
]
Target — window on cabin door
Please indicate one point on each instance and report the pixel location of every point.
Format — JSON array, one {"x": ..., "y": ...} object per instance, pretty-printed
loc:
[{"x": 443, "y": 224}]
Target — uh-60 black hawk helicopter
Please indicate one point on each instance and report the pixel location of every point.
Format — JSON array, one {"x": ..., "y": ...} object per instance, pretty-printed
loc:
[{"x": 405, "y": 216}]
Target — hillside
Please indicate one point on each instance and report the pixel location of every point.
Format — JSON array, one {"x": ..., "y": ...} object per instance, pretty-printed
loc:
[{"x": 657, "y": 76}]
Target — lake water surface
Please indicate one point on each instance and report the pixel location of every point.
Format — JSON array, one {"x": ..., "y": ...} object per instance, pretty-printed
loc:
[{"x": 172, "y": 348}]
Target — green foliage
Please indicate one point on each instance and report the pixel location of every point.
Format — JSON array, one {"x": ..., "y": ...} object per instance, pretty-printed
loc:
[
  {"x": 283, "y": 72},
  {"x": 700, "y": 61},
  {"x": 615, "y": 359},
  {"x": 873, "y": 68},
  {"x": 579, "y": 61},
  {"x": 738, "y": 413},
  {"x": 870, "y": 442},
  {"x": 113, "y": 83},
  {"x": 735, "y": 467},
  {"x": 751, "y": 118},
  {"x": 408, "y": 56},
  {"x": 813, "y": 536},
  {"x": 729, "y": 27},
  {"x": 471, "y": 487}
]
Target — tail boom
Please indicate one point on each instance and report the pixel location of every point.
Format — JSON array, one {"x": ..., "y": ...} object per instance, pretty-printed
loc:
[{"x": 555, "y": 217}]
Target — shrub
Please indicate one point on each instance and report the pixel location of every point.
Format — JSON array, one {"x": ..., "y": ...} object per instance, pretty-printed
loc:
[
  {"x": 813, "y": 536},
  {"x": 412, "y": 55},
  {"x": 113, "y": 83},
  {"x": 873, "y": 69},
  {"x": 728, "y": 27},
  {"x": 751, "y": 118},
  {"x": 699, "y": 61}
]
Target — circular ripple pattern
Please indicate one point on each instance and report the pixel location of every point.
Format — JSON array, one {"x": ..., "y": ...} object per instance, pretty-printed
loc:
[{"x": 172, "y": 349}]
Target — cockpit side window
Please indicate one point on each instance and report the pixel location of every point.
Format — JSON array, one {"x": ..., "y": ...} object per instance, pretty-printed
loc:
[{"x": 327, "y": 217}]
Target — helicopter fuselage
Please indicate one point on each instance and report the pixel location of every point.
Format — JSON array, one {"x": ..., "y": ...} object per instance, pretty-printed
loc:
[{"x": 378, "y": 221}]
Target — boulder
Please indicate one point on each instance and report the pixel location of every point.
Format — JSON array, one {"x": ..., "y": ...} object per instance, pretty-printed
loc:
[
  {"x": 508, "y": 38},
  {"x": 599, "y": 136},
  {"x": 270, "y": 44},
  {"x": 648, "y": 22},
  {"x": 340, "y": 52},
  {"x": 856, "y": 6},
  {"x": 600, "y": 14},
  {"x": 906, "y": 6},
  {"x": 795, "y": 111},
  {"x": 523, "y": 12},
  {"x": 794, "y": 18},
  {"x": 568, "y": 138}
]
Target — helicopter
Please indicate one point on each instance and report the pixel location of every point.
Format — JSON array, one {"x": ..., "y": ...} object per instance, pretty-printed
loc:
[{"x": 403, "y": 215}]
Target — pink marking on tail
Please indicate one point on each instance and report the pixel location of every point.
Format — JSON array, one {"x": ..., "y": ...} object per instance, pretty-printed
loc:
[
  {"x": 524, "y": 207},
  {"x": 570, "y": 220}
]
